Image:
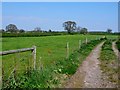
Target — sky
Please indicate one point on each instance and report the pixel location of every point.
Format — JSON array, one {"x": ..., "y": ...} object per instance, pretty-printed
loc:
[
  {"x": 60, "y": 0},
  {"x": 96, "y": 16}
]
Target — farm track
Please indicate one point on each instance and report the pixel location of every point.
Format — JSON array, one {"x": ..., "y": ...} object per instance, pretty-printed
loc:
[{"x": 89, "y": 74}]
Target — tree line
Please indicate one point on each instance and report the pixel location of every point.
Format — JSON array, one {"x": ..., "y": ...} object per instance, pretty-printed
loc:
[{"x": 69, "y": 26}]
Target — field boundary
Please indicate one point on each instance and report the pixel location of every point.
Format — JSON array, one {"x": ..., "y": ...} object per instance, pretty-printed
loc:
[{"x": 33, "y": 49}]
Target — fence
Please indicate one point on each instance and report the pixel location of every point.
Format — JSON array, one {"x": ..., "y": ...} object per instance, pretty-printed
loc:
[
  {"x": 80, "y": 42},
  {"x": 33, "y": 50}
]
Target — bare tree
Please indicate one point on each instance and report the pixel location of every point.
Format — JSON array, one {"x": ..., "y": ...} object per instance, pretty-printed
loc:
[{"x": 69, "y": 26}]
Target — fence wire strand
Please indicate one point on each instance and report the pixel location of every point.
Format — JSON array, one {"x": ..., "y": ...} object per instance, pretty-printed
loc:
[{"x": 22, "y": 63}]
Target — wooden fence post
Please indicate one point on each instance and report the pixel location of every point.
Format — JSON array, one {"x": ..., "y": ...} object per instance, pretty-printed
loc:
[
  {"x": 14, "y": 72},
  {"x": 34, "y": 56},
  {"x": 79, "y": 44},
  {"x": 67, "y": 50}
]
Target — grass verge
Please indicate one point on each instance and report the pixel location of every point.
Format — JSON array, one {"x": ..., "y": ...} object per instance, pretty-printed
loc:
[{"x": 109, "y": 62}]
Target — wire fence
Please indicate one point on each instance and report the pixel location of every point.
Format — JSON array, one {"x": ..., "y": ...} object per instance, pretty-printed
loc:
[{"x": 20, "y": 61}]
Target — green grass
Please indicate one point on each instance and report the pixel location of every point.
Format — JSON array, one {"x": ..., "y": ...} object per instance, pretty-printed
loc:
[
  {"x": 52, "y": 76},
  {"x": 49, "y": 48},
  {"x": 51, "y": 54},
  {"x": 70, "y": 65},
  {"x": 107, "y": 52},
  {"x": 109, "y": 61}
]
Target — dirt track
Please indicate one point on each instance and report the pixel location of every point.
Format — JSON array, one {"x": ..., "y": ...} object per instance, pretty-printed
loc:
[{"x": 89, "y": 74}]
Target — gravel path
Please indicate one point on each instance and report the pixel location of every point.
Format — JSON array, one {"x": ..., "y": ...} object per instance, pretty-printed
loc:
[{"x": 89, "y": 74}]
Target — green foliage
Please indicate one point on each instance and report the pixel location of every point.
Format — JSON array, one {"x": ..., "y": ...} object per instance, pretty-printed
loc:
[
  {"x": 108, "y": 61},
  {"x": 84, "y": 31},
  {"x": 118, "y": 44},
  {"x": 53, "y": 52},
  {"x": 70, "y": 65},
  {"x": 44, "y": 77},
  {"x": 107, "y": 52},
  {"x": 69, "y": 26},
  {"x": 31, "y": 34},
  {"x": 11, "y": 28}
]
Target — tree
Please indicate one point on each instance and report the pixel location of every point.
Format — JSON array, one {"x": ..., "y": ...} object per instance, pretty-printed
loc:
[
  {"x": 50, "y": 30},
  {"x": 78, "y": 29},
  {"x": 11, "y": 28},
  {"x": 2, "y": 30},
  {"x": 38, "y": 29},
  {"x": 21, "y": 31},
  {"x": 109, "y": 30},
  {"x": 69, "y": 26},
  {"x": 84, "y": 31}
]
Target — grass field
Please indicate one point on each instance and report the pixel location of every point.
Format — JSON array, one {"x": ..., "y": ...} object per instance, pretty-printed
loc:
[{"x": 49, "y": 49}]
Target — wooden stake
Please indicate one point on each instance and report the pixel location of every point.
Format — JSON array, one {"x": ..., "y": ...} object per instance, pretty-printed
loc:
[
  {"x": 67, "y": 50},
  {"x": 34, "y": 56}
]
